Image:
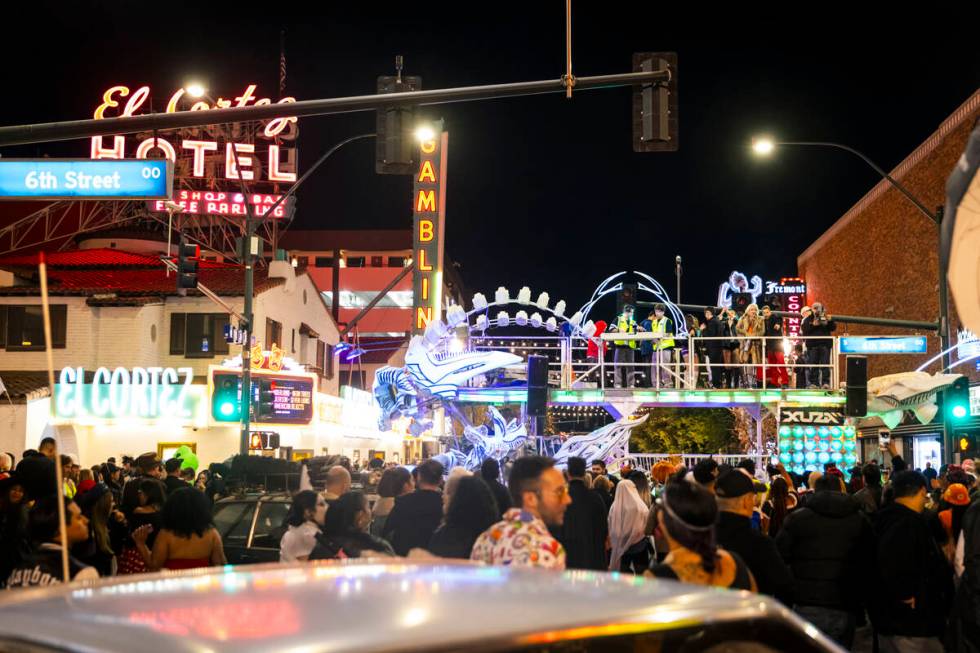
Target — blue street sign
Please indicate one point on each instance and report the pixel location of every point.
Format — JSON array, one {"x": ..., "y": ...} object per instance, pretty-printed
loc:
[
  {"x": 95, "y": 179},
  {"x": 883, "y": 345}
]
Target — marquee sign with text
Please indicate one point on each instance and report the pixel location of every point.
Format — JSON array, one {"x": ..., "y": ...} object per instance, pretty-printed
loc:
[
  {"x": 144, "y": 393},
  {"x": 429, "y": 211},
  {"x": 213, "y": 158}
]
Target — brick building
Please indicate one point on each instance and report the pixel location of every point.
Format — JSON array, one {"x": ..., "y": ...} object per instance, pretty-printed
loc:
[{"x": 881, "y": 258}]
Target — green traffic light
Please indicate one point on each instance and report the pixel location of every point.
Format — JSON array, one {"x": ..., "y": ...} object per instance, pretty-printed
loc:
[
  {"x": 227, "y": 409},
  {"x": 959, "y": 412}
]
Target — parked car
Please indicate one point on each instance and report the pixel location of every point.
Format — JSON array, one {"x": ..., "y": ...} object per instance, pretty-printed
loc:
[
  {"x": 396, "y": 606},
  {"x": 251, "y": 526}
]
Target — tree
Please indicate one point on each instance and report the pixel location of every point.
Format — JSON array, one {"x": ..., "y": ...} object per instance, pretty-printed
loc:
[{"x": 685, "y": 430}]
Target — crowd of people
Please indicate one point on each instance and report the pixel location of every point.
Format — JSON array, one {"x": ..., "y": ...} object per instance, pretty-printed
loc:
[
  {"x": 142, "y": 515},
  {"x": 728, "y": 351},
  {"x": 891, "y": 548}
]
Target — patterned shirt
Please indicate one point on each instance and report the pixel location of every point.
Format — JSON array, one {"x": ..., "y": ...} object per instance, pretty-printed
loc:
[{"x": 520, "y": 539}]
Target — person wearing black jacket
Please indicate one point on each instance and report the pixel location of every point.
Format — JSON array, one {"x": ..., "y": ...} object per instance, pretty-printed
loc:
[
  {"x": 173, "y": 481},
  {"x": 713, "y": 329},
  {"x": 584, "y": 529},
  {"x": 345, "y": 533},
  {"x": 964, "y": 631},
  {"x": 416, "y": 516},
  {"x": 815, "y": 325},
  {"x": 829, "y": 546},
  {"x": 490, "y": 472},
  {"x": 915, "y": 581},
  {"x": 735, "y": 493}
]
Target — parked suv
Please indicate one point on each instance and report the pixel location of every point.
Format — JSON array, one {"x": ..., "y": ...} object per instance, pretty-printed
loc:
[{"x": 251, "y": 526}]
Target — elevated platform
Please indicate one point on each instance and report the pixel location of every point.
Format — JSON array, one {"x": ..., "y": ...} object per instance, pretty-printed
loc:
[{"x": 624, "y": 401}]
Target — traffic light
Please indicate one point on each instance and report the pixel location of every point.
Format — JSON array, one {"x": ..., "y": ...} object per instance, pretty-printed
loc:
[
  {"x": 225, "y": 403},
  {"x": 187, "y": 255},
  {"x": 655, "y": 104},
  {"x": 265, "y": 408},
  {"x": 966, "y": 444},
  {"x": 395, "y": 128},
  {"x": 956, "y": 400}
]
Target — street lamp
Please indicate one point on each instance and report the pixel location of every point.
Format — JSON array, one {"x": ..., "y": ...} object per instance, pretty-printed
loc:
[
  {"x": 763, "y": 146},
  {"x": 425, "y": 133},
  {"x": 194, "y": 89}
]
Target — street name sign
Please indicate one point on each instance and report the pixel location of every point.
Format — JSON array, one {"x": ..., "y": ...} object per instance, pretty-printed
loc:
[{"x": 85, "y": 179}]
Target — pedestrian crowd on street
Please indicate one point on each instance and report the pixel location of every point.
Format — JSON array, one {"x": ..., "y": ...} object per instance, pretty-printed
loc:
[
  {"x": 724, "y": 349},
  {"x": 891, "y": 549}
]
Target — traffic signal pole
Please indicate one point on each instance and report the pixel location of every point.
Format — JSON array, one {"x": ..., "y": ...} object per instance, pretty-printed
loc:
[{"x": 72, "y": 129}]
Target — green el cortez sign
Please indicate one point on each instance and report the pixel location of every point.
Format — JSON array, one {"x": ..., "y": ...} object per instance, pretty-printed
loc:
[
  {"x": 148, "y": 393},
  {"x": 81, "y": 179}
]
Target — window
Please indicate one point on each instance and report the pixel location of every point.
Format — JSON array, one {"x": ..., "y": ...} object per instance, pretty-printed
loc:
[
  {"x": 321, "y": 357},
  {"x": 23, "y": 327},
  {"x": 328, "y": 357},
  {"x": 377, "y": 261},
  {"x": 292, "y": 342},
  {"x": 396, "y": 261},
  {"x": 273, "y": 333},
  {"x": 269, "y": 526},
  {"x": 323, "y": 262},
  {"x": 233, "y": 521},
  {"x": 198, "y": 335},
  {"x": 355, "y": 261}
]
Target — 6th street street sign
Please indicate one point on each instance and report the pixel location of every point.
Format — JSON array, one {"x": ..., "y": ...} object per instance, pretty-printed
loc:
[{"x": 86, "y": 179}]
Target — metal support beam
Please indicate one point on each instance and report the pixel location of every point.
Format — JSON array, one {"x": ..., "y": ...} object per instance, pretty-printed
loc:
[{"x": 72, "y": 129}]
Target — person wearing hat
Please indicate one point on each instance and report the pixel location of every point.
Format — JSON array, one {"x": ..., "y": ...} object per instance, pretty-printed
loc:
[
  {"x": 829, "y": 546},
  {"x": 958, "y": 499},
  {"x": 735, "y": 493}
]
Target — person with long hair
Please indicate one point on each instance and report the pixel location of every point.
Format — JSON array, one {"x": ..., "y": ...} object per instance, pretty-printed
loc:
[
  {"x": 779, "y": 503},
  {"x": 394, "y": 483},
  {"x": 306, "y": 517},
  {"x": 346, "y": 531},
  {"x": 687, "y": 514},
  {"x": 146, "y": 516},
  {"x": 107, "y": 527},
  {"x": 631, "y": 548},
  {"x": 642, "y": 484},
  {"x": 187, "y": 539},
  {"x": 472, "y": 509},
  {"x": 751, "y": 328}
]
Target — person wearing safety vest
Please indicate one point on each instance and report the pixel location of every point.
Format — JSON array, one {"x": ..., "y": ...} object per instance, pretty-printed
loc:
[
  {"x": 624, "y": 351},
  {"x": 663, "y": 326}
]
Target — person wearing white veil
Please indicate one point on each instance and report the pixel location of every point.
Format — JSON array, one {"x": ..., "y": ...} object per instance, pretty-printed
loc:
[{"x": 627, "y": 521}]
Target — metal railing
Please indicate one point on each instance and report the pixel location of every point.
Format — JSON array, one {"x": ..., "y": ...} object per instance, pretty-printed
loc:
[
  {"x": 646, "y": 461},
  {"x": 745, "y": 362}
]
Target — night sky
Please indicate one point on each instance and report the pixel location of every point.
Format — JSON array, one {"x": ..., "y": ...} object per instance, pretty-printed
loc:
[{"x": 543, "y": 191}]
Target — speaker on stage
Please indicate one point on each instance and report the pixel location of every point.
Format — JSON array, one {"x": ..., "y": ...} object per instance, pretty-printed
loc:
[
  {"x": 537, "y": 385},
  {"x": 857, "y": 386}
]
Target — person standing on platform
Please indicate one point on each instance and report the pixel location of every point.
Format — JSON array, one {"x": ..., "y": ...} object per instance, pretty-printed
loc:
[
  {"x": 776, "y": 374},
  {"x": 663, "y": 347},
  {"x": 624, "y": 352},
  {"x": 714, "y": 332}
]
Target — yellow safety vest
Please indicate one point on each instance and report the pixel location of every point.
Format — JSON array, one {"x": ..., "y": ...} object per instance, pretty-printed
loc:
[
  {"x": 661, "y": 328},
  {"x": 624, "y": 326}
]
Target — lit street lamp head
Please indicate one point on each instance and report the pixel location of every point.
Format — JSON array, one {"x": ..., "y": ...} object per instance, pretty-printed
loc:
[
  {"x": 425, "y": 133},
  {"x": 196, "y": 90},
  {"x": 763, "y": 146}
]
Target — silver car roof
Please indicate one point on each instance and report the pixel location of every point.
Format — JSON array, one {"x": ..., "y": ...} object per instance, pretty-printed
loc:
[{"x": 362, "y": 606}]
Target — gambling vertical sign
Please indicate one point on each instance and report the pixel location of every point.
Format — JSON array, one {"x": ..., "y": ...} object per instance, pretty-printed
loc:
[{"x": 429, "y": 208}]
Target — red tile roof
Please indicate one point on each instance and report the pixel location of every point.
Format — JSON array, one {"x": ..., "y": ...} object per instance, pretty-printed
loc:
[
  {"x": 112, "y": 271},
  {"x": 98, "y": 257}
]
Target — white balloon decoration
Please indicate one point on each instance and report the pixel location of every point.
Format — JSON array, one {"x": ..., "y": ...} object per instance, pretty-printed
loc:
[
  {"x": 503, "y": 319},
  {"x": 479, "y": 301},
  {"x": 536, "y": 320},
  {"x": 501, "y": 296},
  {"x": 524, "y": 296},
  {"x": 551, "y": 324},
  {"x": 543, "y": 300},
  {"x": 521, "y": 318},
  {"x": 560, "y": 308}
]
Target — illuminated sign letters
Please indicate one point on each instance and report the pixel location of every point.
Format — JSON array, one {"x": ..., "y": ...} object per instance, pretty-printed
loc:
[
  {"x": 429, "y": 208},
  {"x": 140, "y": 392}
]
